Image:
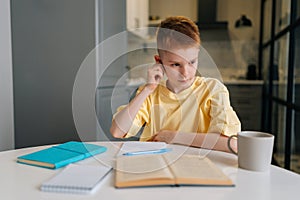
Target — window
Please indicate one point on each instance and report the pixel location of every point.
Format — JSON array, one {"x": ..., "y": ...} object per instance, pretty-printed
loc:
[
  {"x": 280, "y": 67},
  {"x": 280, "y": 50},
  {"x": 282, "y": 18}
]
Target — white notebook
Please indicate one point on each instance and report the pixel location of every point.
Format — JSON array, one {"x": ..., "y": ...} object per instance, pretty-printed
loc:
[{"x": 77, "y": 179}]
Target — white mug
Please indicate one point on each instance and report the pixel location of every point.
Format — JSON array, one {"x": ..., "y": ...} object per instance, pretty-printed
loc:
[{"x": 254, "y": 150}]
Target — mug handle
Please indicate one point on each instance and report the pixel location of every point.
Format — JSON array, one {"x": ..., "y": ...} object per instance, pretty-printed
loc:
[{"x": 228, "y": 144}]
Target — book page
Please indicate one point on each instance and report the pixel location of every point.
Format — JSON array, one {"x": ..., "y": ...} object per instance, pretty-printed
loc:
[
  {"x": 193, "y": 169},
  {"x": 141, "y": 146},
  {"x": 142, "y": 169}
]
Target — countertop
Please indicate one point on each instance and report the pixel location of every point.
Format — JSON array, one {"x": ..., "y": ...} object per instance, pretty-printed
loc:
[{"x": 242, "y": 82}]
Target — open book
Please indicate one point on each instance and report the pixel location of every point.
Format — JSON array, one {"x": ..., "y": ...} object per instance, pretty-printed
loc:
[{"x": 168, "y": 169}]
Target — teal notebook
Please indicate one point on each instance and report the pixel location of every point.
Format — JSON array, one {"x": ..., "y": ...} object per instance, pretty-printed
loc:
[{"x": 61, "y": 155}]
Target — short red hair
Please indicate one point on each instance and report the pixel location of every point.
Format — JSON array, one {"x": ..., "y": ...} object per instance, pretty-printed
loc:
[{"x": 177, "y": 31}]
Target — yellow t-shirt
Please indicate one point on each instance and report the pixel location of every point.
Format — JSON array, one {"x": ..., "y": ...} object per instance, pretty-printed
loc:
[{"x": 204, "y": 107}]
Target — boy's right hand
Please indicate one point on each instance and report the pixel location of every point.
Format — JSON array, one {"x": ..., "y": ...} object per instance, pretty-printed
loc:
[{"x": 155, "y": 74}]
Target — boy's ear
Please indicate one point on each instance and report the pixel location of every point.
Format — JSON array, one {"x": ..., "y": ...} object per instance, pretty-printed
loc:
[{"x": 157, "y": 59}]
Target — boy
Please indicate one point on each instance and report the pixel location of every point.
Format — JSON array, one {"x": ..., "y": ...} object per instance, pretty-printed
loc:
[{"x": 184, "y": 109}]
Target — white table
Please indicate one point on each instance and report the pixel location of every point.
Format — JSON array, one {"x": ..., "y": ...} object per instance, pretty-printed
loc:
[{"x": 19, "y": 181}]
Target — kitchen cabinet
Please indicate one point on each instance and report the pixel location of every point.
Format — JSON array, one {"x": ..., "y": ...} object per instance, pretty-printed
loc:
[{"x": 246, "y": 100}]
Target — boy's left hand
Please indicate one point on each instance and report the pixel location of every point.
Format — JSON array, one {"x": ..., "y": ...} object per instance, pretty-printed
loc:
[{"x": 163, "y": 136}]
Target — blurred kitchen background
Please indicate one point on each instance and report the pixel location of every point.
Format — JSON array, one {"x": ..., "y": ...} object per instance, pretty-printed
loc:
[
  {"x": 217, "y": 23},
  {"x": 253, "y": 43}
]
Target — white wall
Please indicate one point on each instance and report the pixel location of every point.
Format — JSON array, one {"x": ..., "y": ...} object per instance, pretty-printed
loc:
[
  {"x": 231, "y": 10},
  {"x": 6, "y": 85},
  {"x": 137, "y": 14},
  {"x": 166, "y": 8}
]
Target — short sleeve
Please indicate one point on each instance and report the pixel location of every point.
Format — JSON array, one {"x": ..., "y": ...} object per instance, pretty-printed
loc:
[
  {"x": 140, "y": 119},
  {"x": 223, "y": 118}
]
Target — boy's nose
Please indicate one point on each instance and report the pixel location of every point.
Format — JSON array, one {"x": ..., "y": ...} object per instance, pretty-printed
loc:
[{"x": 184, "y": 70}]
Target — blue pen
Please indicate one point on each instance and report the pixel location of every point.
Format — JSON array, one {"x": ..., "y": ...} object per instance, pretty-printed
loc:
[{"x": 156, "y": 151}]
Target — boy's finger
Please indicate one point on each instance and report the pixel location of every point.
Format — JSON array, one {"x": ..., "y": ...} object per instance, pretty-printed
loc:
[{"x": 152, "y": 138}]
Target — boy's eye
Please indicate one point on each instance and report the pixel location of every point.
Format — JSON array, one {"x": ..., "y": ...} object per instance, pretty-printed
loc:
[
  {"x": 193, "y": 62},
  {"x": 175, "y": 65}
]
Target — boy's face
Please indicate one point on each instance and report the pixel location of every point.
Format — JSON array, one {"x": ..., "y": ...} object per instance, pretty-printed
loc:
[{"x": 180, "y": 66}]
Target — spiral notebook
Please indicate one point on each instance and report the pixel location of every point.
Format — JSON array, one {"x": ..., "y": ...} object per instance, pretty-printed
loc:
[{"x": 76, "y": 179}]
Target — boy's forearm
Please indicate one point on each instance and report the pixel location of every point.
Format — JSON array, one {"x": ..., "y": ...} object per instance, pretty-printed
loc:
[
  {"x": 213, "y": 141},
  {"x": 124, "y": 119}
]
